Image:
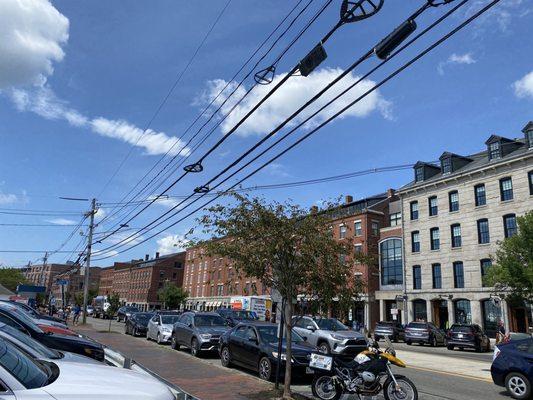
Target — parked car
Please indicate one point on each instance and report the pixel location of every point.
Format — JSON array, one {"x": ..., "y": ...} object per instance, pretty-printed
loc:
[
  {"x": 234, "y": 317},
  {"x": 329, "y": 335},
  {"x": 90, "y": 311},
  {"x": 34, "y": 313},
  {"x": 125, "y": 312},
  {"x": 467, "y": 336},
  {"x": 137, "y": 323},
  {"x": 394, "y": 330},
  {"x": 424, "y": 333},
  {"x": 512, "y": 367},
  {"x": 73, "y": 344},
  {"x": 254, "y": 346},
  {"x": 36, "y": 349},
  {"x": 160, "y": 326},
  {"x": 25, "y": 377},
  {"x": 199, "y": 331}
]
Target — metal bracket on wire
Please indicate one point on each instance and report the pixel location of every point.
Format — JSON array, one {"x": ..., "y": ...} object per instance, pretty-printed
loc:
[
  {"x": 265, "y": 76},
  {"x": 353, "y": 11}
]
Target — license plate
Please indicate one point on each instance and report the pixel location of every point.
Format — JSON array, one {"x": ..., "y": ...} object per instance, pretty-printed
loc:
[
  {"x": 321, "y": 361},
  {"x": 460, "y": 336},
  {"x": 309, "y": 371}
]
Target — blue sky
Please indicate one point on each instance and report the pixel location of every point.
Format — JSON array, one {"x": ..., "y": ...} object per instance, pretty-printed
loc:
[{"x": 80, "y": 79}]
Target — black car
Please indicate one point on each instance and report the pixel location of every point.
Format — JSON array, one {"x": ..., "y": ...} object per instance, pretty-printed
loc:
[
  {"x": 33, "y": 312},
  {"x": 73, "y": 344},
  {"x": 125, "y": 312},
  {"x": 254, "y": 346},
  {"x": 235, "y": 317},
  {"x": 424, "y": 333},
  {"x": 468, "y": 336},
  {"x": 137, "y": 323},
  {"x": 394, "y": 330}
]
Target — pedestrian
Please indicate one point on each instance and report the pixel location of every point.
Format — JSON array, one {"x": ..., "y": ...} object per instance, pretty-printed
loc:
[
  {"x": 77, "y": 311},
  {"x": 500, "y": 332}
]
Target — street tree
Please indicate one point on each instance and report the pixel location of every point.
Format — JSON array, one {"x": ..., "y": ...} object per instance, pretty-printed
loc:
[
  {"x": 172, "y": 296},
  {"x": 114, "y": 305},
  {"x": 11, "y": 277},
  {"x": 513, "y": 269},
  {"x": 288, "y": 249}
]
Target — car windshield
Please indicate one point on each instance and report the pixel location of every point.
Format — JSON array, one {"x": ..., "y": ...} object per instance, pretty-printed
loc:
[
  {"x": 385, "y": 324},
  {"x": 44, "y": 351},
  {"x": 169, "y": 319},
  {"x": 417, "y": 325},
  {"x": 143, "y": 317},
  {"x": 244, "y": 315},
  {"x": 30, "y": 373},
  {"x": 23, "y": 317},
  {"x": 461, "y": 328},
  {"x": 269, "y": 334},
  {"x": 208, "y": 320},
  {"x": 131, "y": 309},
  {"x": 330, "y": 324}
]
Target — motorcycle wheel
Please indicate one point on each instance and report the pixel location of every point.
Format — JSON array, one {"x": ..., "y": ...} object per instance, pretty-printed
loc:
[
  {"x": 406, "y": 389},
  {"x": 325, "y": 388}
]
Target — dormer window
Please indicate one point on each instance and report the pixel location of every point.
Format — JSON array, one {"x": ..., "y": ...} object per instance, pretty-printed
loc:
[
  {"x": 494, "y": 150},
  {"x": 529, "y": 137},
  {"x": 446, "y": 165},
  {"x": 419, "y": 174}
]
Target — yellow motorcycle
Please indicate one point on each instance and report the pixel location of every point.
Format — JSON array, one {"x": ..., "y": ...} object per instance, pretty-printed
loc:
[{"x": 367, "y": 375}]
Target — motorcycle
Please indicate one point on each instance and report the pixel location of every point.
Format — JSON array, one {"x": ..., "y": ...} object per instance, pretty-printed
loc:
[{"x": 366, "y": 375}]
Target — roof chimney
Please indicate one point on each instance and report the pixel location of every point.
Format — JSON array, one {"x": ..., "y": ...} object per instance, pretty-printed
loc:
[
  {"x": 157, "y": 254},
  {"x": 146, "y": 257},
  {"x": 390, "y": 192},
  {"x": 348, "y": 199}
]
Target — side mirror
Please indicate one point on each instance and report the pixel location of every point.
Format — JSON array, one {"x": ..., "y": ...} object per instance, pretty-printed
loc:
[
  {"x": 189, "y": 324},
  {"x": 304, "y": 338}
]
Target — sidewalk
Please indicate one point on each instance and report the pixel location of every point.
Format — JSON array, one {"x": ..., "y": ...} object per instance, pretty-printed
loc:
[{"x": 194, "y": 375}]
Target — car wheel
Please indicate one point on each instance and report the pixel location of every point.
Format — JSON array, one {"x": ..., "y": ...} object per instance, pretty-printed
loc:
[
  {"x": 395, "y": 339},
  {"x": 449, "y": 347},
  {"x": 518, "y": 386},
  {"x": 174, "y": 343},
  {"x": 158, "y": 340},
  {"x": 225, "y": 357},
  {"x": 408, "y": 342},
  {"x": 324, "y": 348},
  {"x": 195, "y": 350},
  {"x": 478, "y": 348},
  {"x": 134, "y": 332},
  {"x": 265, "y": 369}
]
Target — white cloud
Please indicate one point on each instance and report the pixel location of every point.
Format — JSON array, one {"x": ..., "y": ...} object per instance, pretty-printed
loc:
[
  {"x": 166, "y": 201},
  {"x": 465, "y": 59},
  {"x": 171, "y": 244},
  {"x": 524, "y": 86},
  {"x": 499, "y": 17},
  {"x": 11, "y": 198},
  {"x": 61, "y": 221},
  {"x": 293, "y": 94},
  {"x": 277, "y": 170},
  {"x": 124, "y": 239},
  {"x": 32, "y": 33}
]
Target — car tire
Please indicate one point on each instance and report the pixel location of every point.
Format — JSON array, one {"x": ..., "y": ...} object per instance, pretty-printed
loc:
[
  {"x": 174, "y": 343},
  {"x": 395, "y": 339},
  {"x": 225, "y": 357},
  {"x": 195, "y": 350},
  {"x": 450, "y": 347},
  {"x": 324, "y": 348},
  {"x": 434, "y": 342},
  {"x": 478, "y": 348},
  {"x": 265, "y": 369},
  {"x": 518, "y": 386},
  {"x": 408, "y": 342}
]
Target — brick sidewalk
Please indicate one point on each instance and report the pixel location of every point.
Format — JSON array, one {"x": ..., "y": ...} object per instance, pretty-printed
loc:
[{"x": 195, "y": 376}]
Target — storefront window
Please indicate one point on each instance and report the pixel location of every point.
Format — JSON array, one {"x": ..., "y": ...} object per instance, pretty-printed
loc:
[
  {"x": 491, "y": 315},
  {"x": 419, "y": 310},
  {"x": 463, "y": 313}
]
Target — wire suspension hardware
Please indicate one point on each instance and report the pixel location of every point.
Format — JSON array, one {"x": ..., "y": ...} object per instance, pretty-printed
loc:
[{"x": 357, "y": 11}]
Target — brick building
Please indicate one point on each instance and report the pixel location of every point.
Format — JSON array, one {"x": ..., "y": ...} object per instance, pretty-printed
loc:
[
  {"x": 105, "y": 287},
  {"x": 74, "y": 286},
  {"x": 45, "y": 274}
]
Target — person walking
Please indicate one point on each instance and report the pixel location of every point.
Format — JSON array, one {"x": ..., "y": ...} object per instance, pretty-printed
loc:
[
  {"x": 77, "y": 312},
  {"x": 500, "y": 332}
]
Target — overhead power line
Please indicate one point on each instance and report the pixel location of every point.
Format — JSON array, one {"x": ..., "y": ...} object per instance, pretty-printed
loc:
[{"x": 375, "y": 87}]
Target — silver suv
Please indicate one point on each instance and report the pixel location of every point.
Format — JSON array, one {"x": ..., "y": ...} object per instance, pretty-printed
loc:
[{"x": 330, "y": 335}]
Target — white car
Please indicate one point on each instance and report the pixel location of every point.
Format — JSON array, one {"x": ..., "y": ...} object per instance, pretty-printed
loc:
[
  {"x": 160, "y": 327},
  {"x": 25, "y": 378}
]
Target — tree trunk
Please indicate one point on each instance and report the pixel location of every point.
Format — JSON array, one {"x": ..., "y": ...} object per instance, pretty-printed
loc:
[
  {"x": 288, "y": 353},
  {"x": 109, "y": 328}
]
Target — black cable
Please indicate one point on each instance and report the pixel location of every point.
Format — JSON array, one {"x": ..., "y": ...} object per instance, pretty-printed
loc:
[
  {"x": 165, "y": 99},
  {"x": 40, "y": 225},
  {"x": 375, "y": 87},
  {"x": 364, "y": 57},
  {"x": 39, "y": 214}
]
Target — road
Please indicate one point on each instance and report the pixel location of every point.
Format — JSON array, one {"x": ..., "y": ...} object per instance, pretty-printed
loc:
[{"x": 432, "y": 385}]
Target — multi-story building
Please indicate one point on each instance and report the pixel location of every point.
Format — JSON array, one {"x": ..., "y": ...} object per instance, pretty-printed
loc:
[
  {"x": 455, "y": 214},
  {"x": 45, "y": 274},
  {"x": 74, "y": 282},
  {"x": 137, "y": 282}
]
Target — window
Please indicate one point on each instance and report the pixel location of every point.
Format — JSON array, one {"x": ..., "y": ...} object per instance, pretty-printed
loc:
[
  {"x": 414, "y": 210},
  {"x": 434, "y": 234},
  {"x": 419, "y": 174},
  {"x": 395, "y": 219},
  {"x": 483, "y": 235},
  {"x": 446, "y": 165},
  {"x": 342, "y": 231},
  {"x": 415, "y": 242},
  {"x": 433, "y": 206},
  {"x": 437, "y": 278},
  {"x": 357, "y": 228},
  {"x": 458, "y": 275},
  {"x": 358, "y": 248},
  {"x": 529, "y": 135},
  {"x": 494, "y": 150},
  {"x": 342, "y": 258},
  {"x": 463, "y": 313},
  {"x": 509, "y": 225},
  {"x": 417, "y": 277},
  {"x": 220, "y": 290},
  {"x": 486, "y": 263},
  {"x": 480, "y": 195},
  {"x": 506, "y": 189},
  {"x": 530, "y": 179},
  {"x": 375, "y": 228},
  {"x": 454, "y": 200},
  {"x": 456, "y": 235},
  {"x": 390, "y": 254}
]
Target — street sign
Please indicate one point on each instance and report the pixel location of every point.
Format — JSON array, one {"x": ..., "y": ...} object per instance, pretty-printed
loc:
[
  {"x": 62, "y": 282},
  {"x": 394, "y": 311}
]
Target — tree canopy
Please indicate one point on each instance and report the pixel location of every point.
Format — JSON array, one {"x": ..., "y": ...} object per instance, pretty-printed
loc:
[
  {"x": 172, "y": 296},
  {"x": 11, "y": 277}
]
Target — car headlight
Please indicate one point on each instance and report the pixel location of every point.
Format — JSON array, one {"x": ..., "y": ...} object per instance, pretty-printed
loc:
[
  {"x": 165, "y": 330},
  {"x": 275, "y": 355},
  {"x": 205, "y": 336},
  {"x": 337, "y": 337}
]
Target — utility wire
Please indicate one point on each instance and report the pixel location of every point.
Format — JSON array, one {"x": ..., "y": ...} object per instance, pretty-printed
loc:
[
  {"x": 375, "y": 87},
  {"x": 165, "y": 99}
]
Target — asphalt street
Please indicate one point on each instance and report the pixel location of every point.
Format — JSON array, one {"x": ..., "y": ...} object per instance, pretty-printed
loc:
[{"x": 431, "y": 385}]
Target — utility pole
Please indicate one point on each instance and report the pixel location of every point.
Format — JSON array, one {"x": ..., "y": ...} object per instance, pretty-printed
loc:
[
  {"x": 41, "y": 278},
  {"x": 88, "y": 265}
]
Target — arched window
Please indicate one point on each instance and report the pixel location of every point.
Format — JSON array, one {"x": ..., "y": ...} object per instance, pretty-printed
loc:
[
  {"x": 463, "y": 313},
  {"x": 390, "y": 252}
]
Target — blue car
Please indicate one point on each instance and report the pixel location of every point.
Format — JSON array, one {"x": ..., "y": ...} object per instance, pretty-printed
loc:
[{"x": 512, "y": 367}]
